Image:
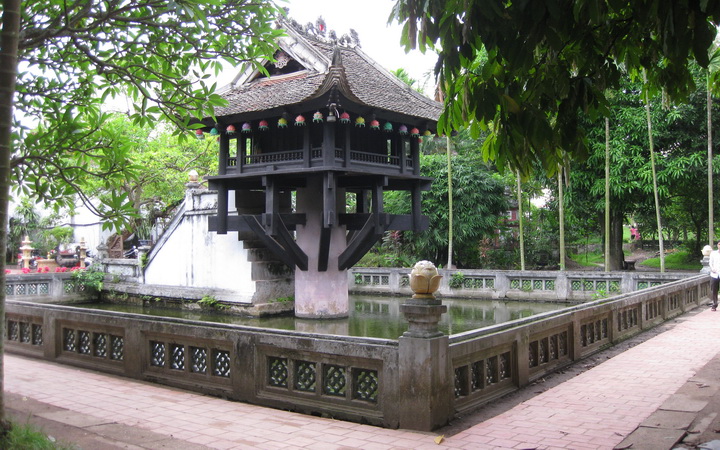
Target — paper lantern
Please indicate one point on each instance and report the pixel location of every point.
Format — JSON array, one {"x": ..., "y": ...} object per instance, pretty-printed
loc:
[
  {"x": 282, "y": 122},
  {"x": 387, "y": 127},
  {"x": 246, "y": 128},
  {"x": 317, "y": 117},
  {"x": 360, "y": 122},
  {"x": 374, "y": 124},
  {"x": 230, "y": 129},
  {"x": 403, "y": 130},
  {"x": 263, "y": 125},
  {"x": 300, "y": 121},
  {"x": 199, "y": 134},
  {"x": 344, "y": 118}
]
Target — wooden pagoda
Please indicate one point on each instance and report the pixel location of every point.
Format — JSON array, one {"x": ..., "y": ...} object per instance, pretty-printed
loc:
[{"x": 328, "y": 127}]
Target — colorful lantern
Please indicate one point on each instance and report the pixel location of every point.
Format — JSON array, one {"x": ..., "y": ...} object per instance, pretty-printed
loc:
[
  {"x": 282, "y": 122},
  {"x": 414, "y": 132},
  {"x": 230, "y": 129},
  {"x": 300, "y": 121},
  {"x": 360, "y": 122},
  {"x": 263, "y": 125},
  {"x": 199, "y": 134},
  {"x": 318, "y": 117},
  {"x": 344, "y": 118},
  {"x": 427, "y": 133},
  {"x": 374, "y": 124},
  {"x": 402, "y": 130},
  {"x": 214, "y": 131},
  {"x": 246, "y": 128},
  {"x": 387, "y": 127}
]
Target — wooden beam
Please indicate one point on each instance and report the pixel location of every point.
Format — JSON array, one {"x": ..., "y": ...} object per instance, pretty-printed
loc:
[
  {"x": 324, "y": 254},
  {"x": 282, "y": 245},
  {"x": 361, "y": 244},
  {"x": 238, "y": 223}
]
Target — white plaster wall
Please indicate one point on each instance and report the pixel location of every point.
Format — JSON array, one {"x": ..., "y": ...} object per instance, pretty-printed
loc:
[{"x": 189, "y": 255}]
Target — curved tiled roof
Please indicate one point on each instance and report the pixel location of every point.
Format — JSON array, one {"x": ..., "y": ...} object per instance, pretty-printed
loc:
[{"x": 352, "y": 73}]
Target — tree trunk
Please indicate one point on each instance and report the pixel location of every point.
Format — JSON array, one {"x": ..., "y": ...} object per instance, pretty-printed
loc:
[
  {"x": 654, "y": 176},
  {"x": 520, "y": 222},
  {"x": 450, "y": 206},
  {"x": 607, "y": 194},
  {"x": 616, "y": 257},
  {"x": 8, "y": 75},
  {"x": 561, "y": 212},
  {"x": 711, "y": 214}
]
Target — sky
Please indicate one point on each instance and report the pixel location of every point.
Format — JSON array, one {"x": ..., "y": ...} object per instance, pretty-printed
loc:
[{"x": 378, "y": 40}]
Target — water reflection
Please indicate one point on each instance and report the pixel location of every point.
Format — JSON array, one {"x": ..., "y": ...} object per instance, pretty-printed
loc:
[{"x": 378, "y": 317}]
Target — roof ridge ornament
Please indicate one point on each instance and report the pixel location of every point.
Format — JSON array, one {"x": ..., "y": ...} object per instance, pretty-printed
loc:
[{"x": 318, "y": 31}]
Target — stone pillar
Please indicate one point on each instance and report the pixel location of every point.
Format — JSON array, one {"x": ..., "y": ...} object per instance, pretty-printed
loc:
[
  {"x": 320, "y": 294},
  {"x": 83, "y": 253},
  {"x": 26, "y": 252},
  {"x": 706, "y": 259},
  {"x": 424, "y": 366}
]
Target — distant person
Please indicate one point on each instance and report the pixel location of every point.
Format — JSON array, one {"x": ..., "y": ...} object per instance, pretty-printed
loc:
[{"x": 715, "y": 276}]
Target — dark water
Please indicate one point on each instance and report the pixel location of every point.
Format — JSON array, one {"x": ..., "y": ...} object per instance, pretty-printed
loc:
[{"x": 377, "y": 317}]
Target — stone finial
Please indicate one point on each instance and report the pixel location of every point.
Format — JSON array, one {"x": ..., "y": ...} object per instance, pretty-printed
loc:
[
  {"x": 424, "y": 279},
  {"x": 193, "y": 182},
  {"x": 423, "y": 310},
  {"x": 706, "y": 259}
]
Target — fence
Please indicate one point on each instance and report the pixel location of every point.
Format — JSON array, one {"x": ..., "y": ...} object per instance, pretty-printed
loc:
[
  {"x": 367, "y": 380},
  {"x": 577, "y": 286}
]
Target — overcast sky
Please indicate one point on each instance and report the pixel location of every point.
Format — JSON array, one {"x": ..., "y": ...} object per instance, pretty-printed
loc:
[{"x": 378, "y": 40}]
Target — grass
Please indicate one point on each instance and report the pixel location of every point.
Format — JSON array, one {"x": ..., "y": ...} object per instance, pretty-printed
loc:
[
  {"x": 680, "y": 260},
  {"x": 589, "y": 259},
  {"x": 27, "y": 437}
]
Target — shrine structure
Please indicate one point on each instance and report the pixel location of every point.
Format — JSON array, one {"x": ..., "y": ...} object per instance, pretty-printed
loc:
[{"x": 324, "y": 128}]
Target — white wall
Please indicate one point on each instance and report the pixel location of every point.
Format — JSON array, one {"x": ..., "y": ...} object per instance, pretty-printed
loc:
[{"x": 189, "y": 255}]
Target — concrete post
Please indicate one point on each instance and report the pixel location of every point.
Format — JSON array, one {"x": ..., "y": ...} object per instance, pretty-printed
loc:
[
  {"x": 706, "y": 259},
  {"x": 424, "y": 366},
  {"x": 320, "y": 294}
]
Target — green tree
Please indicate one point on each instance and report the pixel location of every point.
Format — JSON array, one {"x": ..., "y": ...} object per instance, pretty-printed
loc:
[
  {"x": 480, "y": 201},
  {"x": 161, "y": 163},
  {"x": 75, "y": 56},
  {"x": 551, "y": 61}
]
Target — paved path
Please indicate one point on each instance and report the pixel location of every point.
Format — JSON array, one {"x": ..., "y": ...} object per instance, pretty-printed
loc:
[{"x": 599, "y": 409}]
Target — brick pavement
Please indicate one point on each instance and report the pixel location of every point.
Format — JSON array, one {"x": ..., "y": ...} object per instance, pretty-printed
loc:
[{"x": 594, "y": 410}]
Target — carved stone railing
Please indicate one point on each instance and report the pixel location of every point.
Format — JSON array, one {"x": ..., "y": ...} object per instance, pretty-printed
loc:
[
  {"x": 351, "y": 378},
  {"x": 576, "y": 287},
  {"x": 44, "y": 287}
]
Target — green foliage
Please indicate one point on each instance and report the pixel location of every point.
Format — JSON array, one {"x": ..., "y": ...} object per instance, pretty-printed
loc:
[
  {"x": 479, "y": 203},
  {"x": 680, "y": 260},
  {"x": 456, "y": 281},
  {"x": 26, "y": 437},
  {"x": 593, "y": 259},
  {"x": 208, "y": 301},
  {"x": 283, "y": 299},
  {"x": 157, "y": 54},
  {"x": 92, "y": 278},
  {"x": 525, "y": 71}
]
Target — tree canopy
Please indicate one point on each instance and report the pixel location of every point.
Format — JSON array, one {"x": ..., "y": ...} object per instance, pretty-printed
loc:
[
  {"x": 545, "y": 63},
  {"x": 76, "y": 57}
]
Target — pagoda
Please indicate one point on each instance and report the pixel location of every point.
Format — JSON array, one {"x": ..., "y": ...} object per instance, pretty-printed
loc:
[{"x": 307, "y": 150}]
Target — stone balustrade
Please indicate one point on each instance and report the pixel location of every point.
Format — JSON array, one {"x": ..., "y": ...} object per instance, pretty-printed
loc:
[{"x": 368, "y": 380}]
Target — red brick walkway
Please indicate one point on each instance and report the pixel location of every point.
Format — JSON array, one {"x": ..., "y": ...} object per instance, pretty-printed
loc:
[{"x": 594, "y": 410}]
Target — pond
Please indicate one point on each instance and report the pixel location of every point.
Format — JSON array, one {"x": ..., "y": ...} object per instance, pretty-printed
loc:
[{"x": 370, "y": 316}]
